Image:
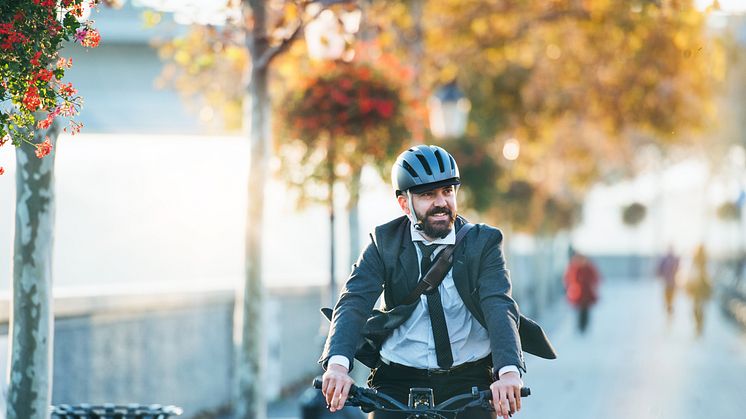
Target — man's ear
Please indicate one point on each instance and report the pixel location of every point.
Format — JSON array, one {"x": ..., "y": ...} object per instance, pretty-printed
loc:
[{"x": 403, "y": 203}]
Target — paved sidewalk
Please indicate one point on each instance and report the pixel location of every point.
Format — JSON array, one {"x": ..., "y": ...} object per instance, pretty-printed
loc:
[{"x": 633, "y": 364}]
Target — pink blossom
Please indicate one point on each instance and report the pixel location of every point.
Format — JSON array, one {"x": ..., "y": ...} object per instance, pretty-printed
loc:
[{"x": 80, "y": 34}]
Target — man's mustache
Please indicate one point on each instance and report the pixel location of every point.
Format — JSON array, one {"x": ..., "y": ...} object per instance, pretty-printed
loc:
[{"x": 445, "y": 210}]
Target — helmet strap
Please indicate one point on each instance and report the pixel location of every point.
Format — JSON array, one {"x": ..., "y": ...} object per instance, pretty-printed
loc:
[{"x": 412, "y": 215}]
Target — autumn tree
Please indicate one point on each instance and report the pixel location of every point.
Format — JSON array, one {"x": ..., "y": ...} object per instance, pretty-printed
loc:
[{"x": 580, "y": 84}]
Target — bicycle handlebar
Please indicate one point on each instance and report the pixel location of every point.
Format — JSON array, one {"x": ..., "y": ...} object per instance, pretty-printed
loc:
[{"x": 370, "y": 399}]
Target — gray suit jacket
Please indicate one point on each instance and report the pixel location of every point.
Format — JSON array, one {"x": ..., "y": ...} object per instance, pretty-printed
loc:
[{"x": 389, "y": 265}]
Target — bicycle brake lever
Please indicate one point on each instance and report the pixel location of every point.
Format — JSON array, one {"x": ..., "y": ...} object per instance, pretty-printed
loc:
[{"x": 364, "y": 403}]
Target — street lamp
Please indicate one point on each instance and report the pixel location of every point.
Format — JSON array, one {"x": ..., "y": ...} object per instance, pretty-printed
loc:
[
  {"x": 511, "y": 149},
  {"x": 448, "y": 111}
]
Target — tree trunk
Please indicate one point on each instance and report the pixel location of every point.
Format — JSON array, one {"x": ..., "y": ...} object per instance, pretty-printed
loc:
[
  {"x": 331, "y": 158},
  {"x": 249, "y": 400},
  {"x": 353, "y": 214},
  {"x": 32, "y": 318}
]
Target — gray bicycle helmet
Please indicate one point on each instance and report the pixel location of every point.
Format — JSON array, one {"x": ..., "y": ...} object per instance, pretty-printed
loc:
[{"x": 423, "y": 168}]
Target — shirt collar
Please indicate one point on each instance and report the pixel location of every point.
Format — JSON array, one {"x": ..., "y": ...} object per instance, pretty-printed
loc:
[{"x": 417, "y": 237}]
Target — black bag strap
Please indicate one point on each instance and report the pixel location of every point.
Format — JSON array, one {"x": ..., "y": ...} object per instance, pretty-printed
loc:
[{"x": 439, "y": 268}]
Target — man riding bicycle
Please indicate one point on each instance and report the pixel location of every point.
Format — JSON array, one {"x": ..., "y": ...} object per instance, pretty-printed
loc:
[{"x": 464, "y": 333}]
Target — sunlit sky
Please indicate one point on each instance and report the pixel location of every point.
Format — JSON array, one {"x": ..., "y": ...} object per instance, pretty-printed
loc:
[{"x": 733, "y": 6}]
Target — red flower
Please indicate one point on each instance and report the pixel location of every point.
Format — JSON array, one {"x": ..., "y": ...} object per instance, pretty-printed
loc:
[
  {"x": 346, "y": 84},
  {"x": 31, "y": 99},
  {"x": 45, "y": 75},
  {"x": 385, "y": 108},
  {"x": 67, "y": 89},
  {"x": 35, "y": 61},
  {"x": 4, "y": 140},
  {"x": 44, "y": 123},
  {"x": 2, "y": 171},
  {"x": 44, "y": 148},
  {"x": 53, "y": 26},
  {"x": 366, "y": 105},
  {"x": 340, "y": 97},
  {"x": 11, "y": 36},
  {"x": 47, "y": 122}
]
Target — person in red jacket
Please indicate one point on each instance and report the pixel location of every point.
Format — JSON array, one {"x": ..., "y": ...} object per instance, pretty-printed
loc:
[{"x": 581, "y": 283}]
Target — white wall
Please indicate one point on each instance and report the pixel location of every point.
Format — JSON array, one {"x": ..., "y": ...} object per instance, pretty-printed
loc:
[{"x": 144, "y": 209}]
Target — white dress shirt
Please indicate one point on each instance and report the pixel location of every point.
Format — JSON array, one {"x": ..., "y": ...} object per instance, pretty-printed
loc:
[{"x": 412, "y": 343}]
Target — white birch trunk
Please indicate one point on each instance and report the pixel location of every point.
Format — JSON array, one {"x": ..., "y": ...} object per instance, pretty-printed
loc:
[
  {"x": 249, "y": 400},
  {"x": 32, "y": 321}
]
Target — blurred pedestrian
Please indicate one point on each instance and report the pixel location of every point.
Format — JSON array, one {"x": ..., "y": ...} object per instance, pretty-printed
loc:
[
  {"x": 668, "y": 267},
  {"x": 581, "y": 283},
  {"x": 699, "y": 287}
]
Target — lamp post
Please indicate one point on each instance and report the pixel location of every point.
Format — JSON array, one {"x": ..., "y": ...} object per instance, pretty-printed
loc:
[
  {"x": 448, "y": 111},
  {"x": 328, "y": 37}
]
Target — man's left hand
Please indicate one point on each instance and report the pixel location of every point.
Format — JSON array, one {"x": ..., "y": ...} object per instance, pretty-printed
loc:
[{"x": 506, "y": 394}]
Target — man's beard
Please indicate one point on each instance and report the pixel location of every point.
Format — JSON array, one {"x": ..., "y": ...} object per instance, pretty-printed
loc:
[{"x": 437, "y": 229}]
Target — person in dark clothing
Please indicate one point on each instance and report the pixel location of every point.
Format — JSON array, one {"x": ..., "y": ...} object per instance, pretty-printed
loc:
[{"x": 668, "y": 267}]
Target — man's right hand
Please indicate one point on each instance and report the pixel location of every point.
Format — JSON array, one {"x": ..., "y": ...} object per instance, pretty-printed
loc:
[{"x": 336, "y": 386}]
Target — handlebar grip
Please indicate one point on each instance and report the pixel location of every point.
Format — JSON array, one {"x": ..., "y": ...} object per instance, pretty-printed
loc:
[
  {"x": 317, "y": 384},
  {"x": 487, "y": 394}
]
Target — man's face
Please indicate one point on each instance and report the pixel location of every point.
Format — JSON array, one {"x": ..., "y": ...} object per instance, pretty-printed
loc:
[{"x": 436, "y": 209}]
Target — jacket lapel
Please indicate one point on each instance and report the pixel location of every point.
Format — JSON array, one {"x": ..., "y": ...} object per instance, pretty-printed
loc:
[
  {"x": 460, "y": 272},
  {"x": 408, "y": 261}
]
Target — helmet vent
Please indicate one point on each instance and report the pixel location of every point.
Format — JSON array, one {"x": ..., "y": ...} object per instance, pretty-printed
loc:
[
  {"x": 409, "y": 169},
  {"x": 422, "y": 160},
  {"x": 440, "y": 162},
  {"x": 453, "y": 163}
]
